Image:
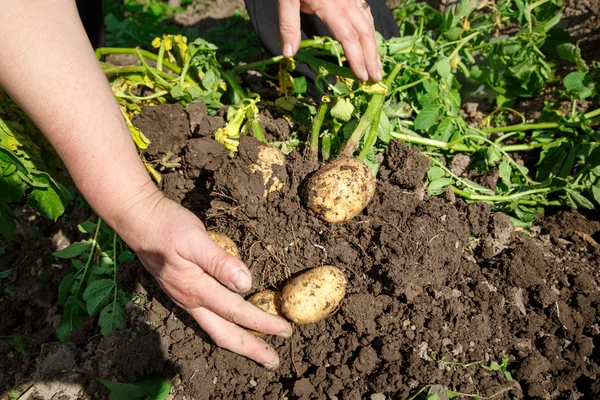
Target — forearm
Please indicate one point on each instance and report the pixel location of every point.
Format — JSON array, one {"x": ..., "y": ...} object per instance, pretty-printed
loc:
[{"x": 49, "y": 68}]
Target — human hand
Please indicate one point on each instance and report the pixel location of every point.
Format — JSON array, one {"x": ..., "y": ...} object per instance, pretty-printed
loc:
[
  {"x": 202, "y": 278},
  {"x": 350, "y": 21}
]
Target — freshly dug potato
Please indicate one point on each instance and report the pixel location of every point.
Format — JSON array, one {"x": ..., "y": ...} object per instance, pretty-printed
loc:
[
  {"x": 268, "y": 301},
  {"x": 340, "y": 190},
  {"x": 268, "y": 157},
  {"x": 226, "y": 244},
  {"x": 313, "y": 295}
]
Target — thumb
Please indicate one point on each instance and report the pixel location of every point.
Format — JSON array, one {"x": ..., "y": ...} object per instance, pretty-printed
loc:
[
  {"x": 289, "y": 26},
  {"x": 209, "y": 256}
]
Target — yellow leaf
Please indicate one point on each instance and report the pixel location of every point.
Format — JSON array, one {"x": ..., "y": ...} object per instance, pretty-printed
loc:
[
  {"x": 156, "y": 43},
  {"x": 153, "y": 173},
  {"x": 374, "y": 88}
]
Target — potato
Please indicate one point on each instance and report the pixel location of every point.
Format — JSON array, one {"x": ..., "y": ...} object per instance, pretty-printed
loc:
[
  {"x": 313, "y": 295},
  {"x": 269, "y": 156},
  {"x": 340, "y": 190},
  {"x": 226, "y": 244},
  {"x": 268, "y": 301}
]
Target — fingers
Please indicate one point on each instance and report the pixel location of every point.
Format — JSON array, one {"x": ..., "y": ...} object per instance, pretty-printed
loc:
[
  {"x": 231, "y": 337},
  {"x": 210, "y": 294},
  {"x": 289, "y": 26},
  {"x": 227, "y": 269},
  {"x": 354, "y": 29}
]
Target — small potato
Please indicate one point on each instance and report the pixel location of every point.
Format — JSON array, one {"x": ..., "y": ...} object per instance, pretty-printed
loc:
[
  {"x": 226, "y": 244},
  {"x": 268, "y": 301},
  {"x": 313, "y": 295},
  {"x": 268, "y": 157},
  {"x": 340, "y": 190}
]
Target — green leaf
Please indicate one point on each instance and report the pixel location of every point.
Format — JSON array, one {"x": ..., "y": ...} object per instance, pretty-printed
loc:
[
  {"x": 444, "y": 130},
  {"x": 65, "y": 287},
  {"x": 578, "y": 200},
  {"x": 300, "y": 85},
  {"x": 342, "y": 110},
  {"x": 505, "y": 170},
  {"x": 126, "y": 256},
  {"x": 427, "y": 118},
  {"x": 155, "y": 389},
  {"x": 443, "y": 67},
  {"x": 6, "y": 273},
  {"x": 73, "y": 318},
  {"x": 47, "y": 201},
  {"x": 87, "y": 227},
  {"x": 112, "y": 318},
  {"x": 572, "y": 53},
  {"x": 434, "y": 172},
  {"x": 596, "y": 193},
  {"x": 98, "y": 294},
  {"x": 74, "y": 250},
  {"x": 438, "y": 186},
  {"x": 574, "y": 81}
]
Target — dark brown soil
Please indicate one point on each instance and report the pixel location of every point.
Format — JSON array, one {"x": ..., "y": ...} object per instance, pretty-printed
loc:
[
  {"x": 433, "y": 283},
  {"x": 437, "y": 288}
]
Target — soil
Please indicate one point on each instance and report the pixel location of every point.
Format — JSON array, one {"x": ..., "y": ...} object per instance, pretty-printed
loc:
[{"x": 437, "y": 289}]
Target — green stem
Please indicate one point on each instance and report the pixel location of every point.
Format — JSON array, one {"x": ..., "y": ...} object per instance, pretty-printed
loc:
[
  {"x": 133, "y": 70},
  {"x": 366, "y": 120},
  {"x": 332, "y": 69},
  {"x": 89, "y": 260},
  {"x": 142, "y": 98},
  {"x": 499, "y": 148},
  {"x": 257, "y": 130},
  {"x": 237, "y": 89},
  {"x": 255, "y": 66},
  {"x": 161, "y": 56},
  {"x": 522, "y": 127},
  {"x": 371, "y": 137},
  {"x": 316, "y": 129},
  {"x": 103, "y": 51},
  {"x": 512, "y": 197},
  {"x": 463, "y": 148}
]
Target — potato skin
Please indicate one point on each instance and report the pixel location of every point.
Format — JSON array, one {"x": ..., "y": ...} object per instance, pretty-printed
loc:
[
  {"x": 268, "y": 301},
  {"x": 226, "y": 244},
  {"x": 340, "y": 190},
  {"x": 313, "y": 295},
  {"x": 268, "y": 156}
]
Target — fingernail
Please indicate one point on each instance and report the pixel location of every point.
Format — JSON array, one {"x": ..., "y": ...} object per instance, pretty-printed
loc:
[
  {"x": 242, "y": 281},
  {"x": 287, "y": 50},
  {"x": 271, "y": 365},
  {"x": 379, "y": 75},
  {"x": 286, "y": 333},
  {"x": 364, "y": 75},
  {"x": 380, "y": 64}
]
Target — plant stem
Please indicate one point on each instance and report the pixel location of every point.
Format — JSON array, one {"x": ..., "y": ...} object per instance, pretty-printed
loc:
[
  {"x": 134, "y": 70},
  {"x": 255, "y": 66},
  {"x": 237, "y": 89},
  {"x": 522, "y": 127},
  {"x": 103, "y": 51},
  {"x": 257, "y": 130},
  {"x": 366, "y": 120},
  {"x": 371, "y": 137},
  {"x": 511, "y": 197},
  {"x": 89, "y": 260},
  {"x": 316, "y": 129},
  {"x": 458, "y": 147},
  {"x": 332, "y": 69}
]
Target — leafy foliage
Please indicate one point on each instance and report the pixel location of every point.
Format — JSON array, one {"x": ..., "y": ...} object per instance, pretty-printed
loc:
[
  {"x": 29, "y": 168},
  {"x": 91, "y": 289},
  {"x": 151, "y": 389}
]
